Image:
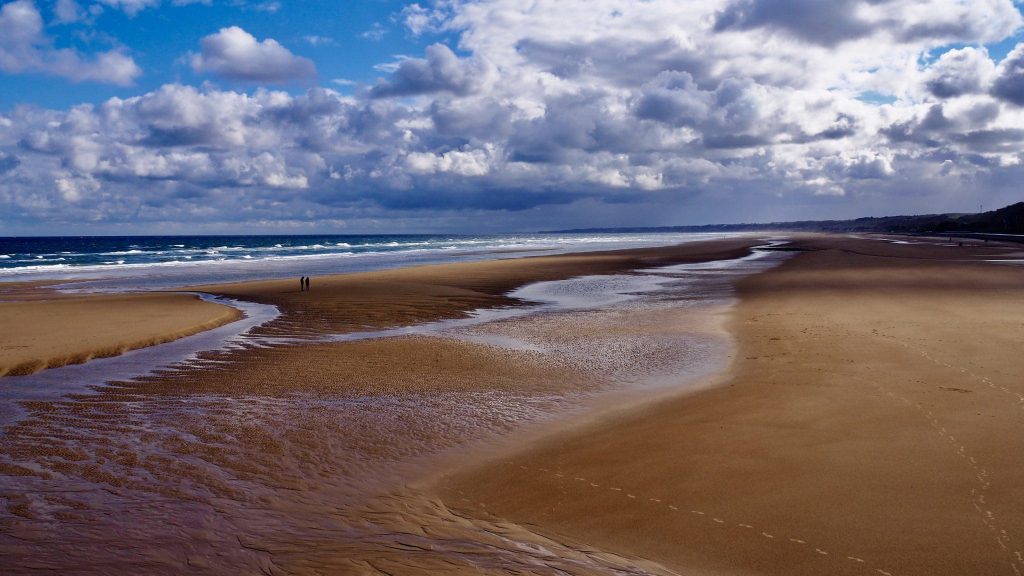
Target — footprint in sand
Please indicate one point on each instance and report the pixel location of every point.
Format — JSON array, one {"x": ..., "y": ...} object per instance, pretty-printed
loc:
[{"x": 719, "y": 521}]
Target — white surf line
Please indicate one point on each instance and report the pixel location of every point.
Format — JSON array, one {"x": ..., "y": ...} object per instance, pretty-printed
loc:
[
  {"x": 766, "y": 536},
  {"x": 981, "y": 474}
]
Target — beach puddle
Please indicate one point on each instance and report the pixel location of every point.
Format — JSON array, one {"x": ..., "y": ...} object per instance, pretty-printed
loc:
[{"x": 265, "y": 456}]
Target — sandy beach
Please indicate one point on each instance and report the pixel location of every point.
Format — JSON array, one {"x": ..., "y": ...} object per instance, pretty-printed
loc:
[
  {"x": 45, "y": 329},
  {"x": 403, "y": 296},
  {"x": 869, "y": 424},
  {"x": 264, "y": 443},
  {"x": 862, "y": 422}
]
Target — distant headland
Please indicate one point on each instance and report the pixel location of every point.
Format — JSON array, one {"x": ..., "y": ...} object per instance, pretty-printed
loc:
[{"x": 1008, "y": 220}]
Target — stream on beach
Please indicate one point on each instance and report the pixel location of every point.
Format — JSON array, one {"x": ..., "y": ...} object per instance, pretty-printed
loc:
[{"x": 233, "y": 453}]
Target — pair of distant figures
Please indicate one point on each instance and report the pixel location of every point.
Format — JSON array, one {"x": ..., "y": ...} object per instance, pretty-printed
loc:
[{"x": 304, "y": 283}]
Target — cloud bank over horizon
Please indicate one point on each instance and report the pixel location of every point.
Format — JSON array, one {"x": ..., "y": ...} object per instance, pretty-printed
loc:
[{"x": 513, "y": 117}]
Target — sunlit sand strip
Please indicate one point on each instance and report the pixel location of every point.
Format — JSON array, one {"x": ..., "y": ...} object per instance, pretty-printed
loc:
[
  {"x": 676, "y": 507},
  {"x": 56, "y": 382},
  {"x": 981, "y": 474}
]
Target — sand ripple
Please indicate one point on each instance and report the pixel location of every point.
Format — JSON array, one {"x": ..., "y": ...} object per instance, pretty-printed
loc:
[{"x": 301, "y": 457}]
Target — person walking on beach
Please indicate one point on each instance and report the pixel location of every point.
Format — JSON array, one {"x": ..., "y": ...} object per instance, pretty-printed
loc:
[
  {"x": 302, "y": 283},
  {"x": 307, "y": 283}
]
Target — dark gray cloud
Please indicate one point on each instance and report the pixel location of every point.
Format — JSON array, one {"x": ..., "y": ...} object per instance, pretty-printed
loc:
[
  {"x": 967, "y": 134},
  {"x": 844, "y": 126},
  {"x": 1009, "y": 82},
  {"x": 869, "y": 169},
  {"x": 461, "y": 121},
  {"x": 925, "y": 131},
  {"x": 1002, "y": 139},
  {"x": 674, "y": 98},
  {"x": 728, "y": 116},
  {"x": 440, "y": 71},
  {"x": 576, "y": 129},
  {"x": 444, "y": 197},
  {"x": 837, "y": 21},
  {"x": 623, "y": 62},
  {"x": 826, "y": 23}
]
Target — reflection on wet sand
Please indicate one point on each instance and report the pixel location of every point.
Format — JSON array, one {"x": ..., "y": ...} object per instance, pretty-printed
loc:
[{"x": 303, "y": 458}]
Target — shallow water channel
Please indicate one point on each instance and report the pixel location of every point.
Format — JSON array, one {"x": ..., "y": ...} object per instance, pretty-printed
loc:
[{"x": 98, "y": 478}]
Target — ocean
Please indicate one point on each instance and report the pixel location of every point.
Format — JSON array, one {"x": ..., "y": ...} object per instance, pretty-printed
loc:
[{"x": 155, "y": 262}]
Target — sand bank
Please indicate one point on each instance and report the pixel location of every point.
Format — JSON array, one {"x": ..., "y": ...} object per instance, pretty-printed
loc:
[
  {"x": 43, "y": 329},
  {"x": 871, "y": 423},
  {"x": 403, "y": 296}
]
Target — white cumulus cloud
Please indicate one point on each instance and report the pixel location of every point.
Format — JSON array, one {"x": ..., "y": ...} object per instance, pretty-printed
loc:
[
  {"x": 235, "y": 54},
  {"x": 25, "y": 47},
  {"x": 555, "y": 114}
]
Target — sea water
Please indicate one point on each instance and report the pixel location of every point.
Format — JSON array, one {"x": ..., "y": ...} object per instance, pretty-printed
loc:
[{"x": 134, "y": 262}]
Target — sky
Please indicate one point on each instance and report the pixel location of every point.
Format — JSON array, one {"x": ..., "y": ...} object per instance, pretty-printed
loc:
[{"x": 478, "y": 116}]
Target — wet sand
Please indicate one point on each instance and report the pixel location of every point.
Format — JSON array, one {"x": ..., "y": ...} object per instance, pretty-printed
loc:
[
  {"x": 403, "y": 296},
  {"x": 292, "y": 458},
  {"x": 869, "y": 423},
  {"x": 46, "y": 329},
  {"x": 872, "y": 422}
]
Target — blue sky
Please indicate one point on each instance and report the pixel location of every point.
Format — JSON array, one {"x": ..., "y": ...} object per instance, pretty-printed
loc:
[
  {"x": 186, "y": 116},
  {"x": 345, "y": 39}
]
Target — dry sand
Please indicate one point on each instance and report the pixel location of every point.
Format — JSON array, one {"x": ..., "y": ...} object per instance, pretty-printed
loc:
[
  {"x": 43, "y": 329},
  {"x": 871, "y": 423}
]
